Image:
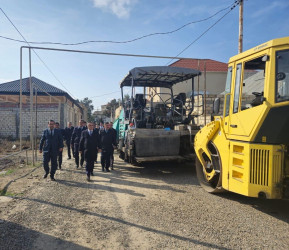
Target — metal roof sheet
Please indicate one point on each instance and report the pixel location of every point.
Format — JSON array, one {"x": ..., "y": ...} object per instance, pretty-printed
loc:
[
  {"x": 42, "y": 87},
  {"x": 158, "y": 76}
]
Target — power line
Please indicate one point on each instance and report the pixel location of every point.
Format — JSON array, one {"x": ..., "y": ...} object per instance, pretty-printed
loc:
[
  {"x": 127, "y": 41},
  {"x": 36, "y": 53},
  {"x": 104, "y": 94},
  {"x": 236, "y": 3}
]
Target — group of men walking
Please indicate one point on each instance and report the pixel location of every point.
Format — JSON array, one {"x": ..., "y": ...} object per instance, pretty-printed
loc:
[{"x": 85, "y": 142}]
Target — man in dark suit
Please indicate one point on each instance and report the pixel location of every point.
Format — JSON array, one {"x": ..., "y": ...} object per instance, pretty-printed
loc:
[
  {"x": 67, "y": 136},
  {"x": 50, "y": 144},
  {"x": 84, "y": 125},
  {"x": 96, "y": 129},
  {"x": 75, "y": 138},
  {"x": 107, "y": 144},
  {"x": 56, "y": 126},
  {"x": 88, "y": 145},
  {"x": 115, "y": 139}
]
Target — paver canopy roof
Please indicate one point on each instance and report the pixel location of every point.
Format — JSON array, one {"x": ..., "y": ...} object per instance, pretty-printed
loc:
[{"x": 158, "y": 76}]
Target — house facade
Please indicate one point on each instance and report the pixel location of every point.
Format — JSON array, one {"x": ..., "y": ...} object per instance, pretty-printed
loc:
[{"x": 49, "y": 103}]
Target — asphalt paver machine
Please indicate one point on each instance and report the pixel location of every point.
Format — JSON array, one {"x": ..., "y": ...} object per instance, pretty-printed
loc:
[{"x": 155, "y": 124}]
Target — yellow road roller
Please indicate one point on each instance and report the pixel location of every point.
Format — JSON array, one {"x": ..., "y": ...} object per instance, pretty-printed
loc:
[{"x": 245, "y": 150}]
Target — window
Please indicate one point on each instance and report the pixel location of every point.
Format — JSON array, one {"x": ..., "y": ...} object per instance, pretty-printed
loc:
[
  {"x": 282, "y": 76},
  {"x": 228, "y": 90},
  {"x": 237, "y": 88},
  {"x": 253, "y": 82}
]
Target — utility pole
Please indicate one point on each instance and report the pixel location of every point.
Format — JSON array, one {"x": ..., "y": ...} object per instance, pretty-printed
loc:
[{"x": 240, "y": 47}]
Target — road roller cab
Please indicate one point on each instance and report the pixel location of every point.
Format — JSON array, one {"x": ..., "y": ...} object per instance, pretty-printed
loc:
[{"x": 246, "y": 149}]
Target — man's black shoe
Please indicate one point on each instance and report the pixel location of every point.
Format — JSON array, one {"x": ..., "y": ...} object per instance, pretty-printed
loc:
[
  {"x": 45, "y": 176},
  {"x": 107, "y": 170},
  {"x": 52, "y": 178},
  {"x": 77, "y": 166},
  {"x": 88, "y": 178},
  {"x": 59, "y": 167}
]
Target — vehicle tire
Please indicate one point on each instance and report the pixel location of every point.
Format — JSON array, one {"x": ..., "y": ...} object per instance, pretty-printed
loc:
[{"x": 213, "y": 185}]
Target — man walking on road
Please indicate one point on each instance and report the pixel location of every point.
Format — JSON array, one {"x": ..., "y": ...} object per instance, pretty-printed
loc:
[
  {"x": 56, "y": 126},
  {"x": 51, "y": 144},
  {"x": 67, "y": 136},
  {"x": 96, "y": 129},
  {"x": 75, "y": 138},
  {"x": 88, "y": 146},
  {"x": 115, "y": 135},
  {"x": 107, "y": 144}
]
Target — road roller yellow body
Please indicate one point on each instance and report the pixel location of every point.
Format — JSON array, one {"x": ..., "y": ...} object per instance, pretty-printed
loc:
[{"x": 245, "y": 150}]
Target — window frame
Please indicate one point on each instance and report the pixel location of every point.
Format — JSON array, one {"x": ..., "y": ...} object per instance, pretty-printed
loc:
[
  {"x": 238, "y": 76},
  {"x": 275, "y": 77}
]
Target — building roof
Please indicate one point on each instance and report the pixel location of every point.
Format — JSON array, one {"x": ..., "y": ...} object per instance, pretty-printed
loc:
[
  {"x": 211, "y": 65},
  {"x": 41, "y": 86},
  {"x": 13, "y": 88}
]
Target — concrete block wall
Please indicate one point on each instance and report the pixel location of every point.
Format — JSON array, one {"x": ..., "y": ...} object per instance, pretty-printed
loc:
[
  {"x": 10, "y": 120},
  {"x": 8, "y": 123},
  {"x": 43, "y": 116}
]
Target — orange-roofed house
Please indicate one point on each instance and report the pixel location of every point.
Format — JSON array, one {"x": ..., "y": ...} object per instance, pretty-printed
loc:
[{"x": 216, "y": 73}]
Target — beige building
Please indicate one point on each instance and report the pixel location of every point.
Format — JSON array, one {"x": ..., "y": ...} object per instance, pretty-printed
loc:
[
  {"x": 212, "y": 81},
  {"x": 49, "y": 102}
]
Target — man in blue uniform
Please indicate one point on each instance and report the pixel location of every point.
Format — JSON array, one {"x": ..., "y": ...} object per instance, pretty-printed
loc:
[
  {"x": 107, "y": 144},
  {"x": 50, "y": 144},
  {"x": 75, "y": 138},
  {"x": 67, "y": 136},
  {"x": 88, "y": 145}
]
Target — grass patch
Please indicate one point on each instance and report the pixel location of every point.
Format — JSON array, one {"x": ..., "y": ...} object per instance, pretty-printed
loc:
[
  {"x": 10, "y": 171},
  {"x": 10, "y": 194}
]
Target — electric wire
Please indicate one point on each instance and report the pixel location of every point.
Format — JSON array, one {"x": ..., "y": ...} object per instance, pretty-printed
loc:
[
  {"x": 36, "y": 53},
  {"x": 236, "y": 3},
  {"x": 104, "y": 94},
  {"x": 127, "y": 41}
]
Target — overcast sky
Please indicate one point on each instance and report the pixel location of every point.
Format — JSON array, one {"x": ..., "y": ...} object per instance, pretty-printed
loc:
[{"x": 94, "y": 76}]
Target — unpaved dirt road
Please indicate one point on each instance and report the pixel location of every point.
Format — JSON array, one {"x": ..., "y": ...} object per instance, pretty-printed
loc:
[{"x": 159, "y": 206}]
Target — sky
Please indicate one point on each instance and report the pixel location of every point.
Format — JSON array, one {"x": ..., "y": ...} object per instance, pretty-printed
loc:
[{"x": 97, "y": 76}]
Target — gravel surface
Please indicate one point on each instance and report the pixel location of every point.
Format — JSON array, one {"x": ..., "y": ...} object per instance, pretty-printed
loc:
[{"x": 153, "y": 206}]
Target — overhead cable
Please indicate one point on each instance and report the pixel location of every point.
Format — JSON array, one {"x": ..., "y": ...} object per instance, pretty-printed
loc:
[
  {"x": 36, "y": 53},
  {"x": 127, "y": 41},
  {"x": 236, "y": 3}
]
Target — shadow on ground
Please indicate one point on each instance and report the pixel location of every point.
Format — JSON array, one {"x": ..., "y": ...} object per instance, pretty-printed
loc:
[
  {"x": 121, "y": 221},
  {"x": 15, "y": 236}
]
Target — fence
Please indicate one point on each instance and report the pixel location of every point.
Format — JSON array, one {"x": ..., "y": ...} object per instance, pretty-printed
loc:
[{"x": 17, "y": 159}]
